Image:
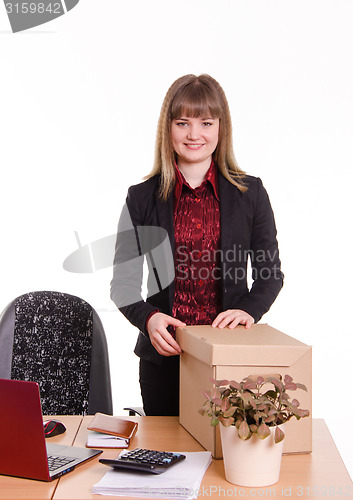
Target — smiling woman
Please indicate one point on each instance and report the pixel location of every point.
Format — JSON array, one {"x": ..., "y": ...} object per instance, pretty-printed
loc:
[{"x": 207, "y": 205}]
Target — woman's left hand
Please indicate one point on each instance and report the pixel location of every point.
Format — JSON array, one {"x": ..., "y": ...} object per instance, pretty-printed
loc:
[{"x": 232, "y": 318}]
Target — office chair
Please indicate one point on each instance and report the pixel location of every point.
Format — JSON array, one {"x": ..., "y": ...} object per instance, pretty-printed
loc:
[{"x": 58, "y": 341}]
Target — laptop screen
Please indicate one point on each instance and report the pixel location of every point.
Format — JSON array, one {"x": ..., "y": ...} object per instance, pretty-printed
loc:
[{"x": 23, "y": 446}]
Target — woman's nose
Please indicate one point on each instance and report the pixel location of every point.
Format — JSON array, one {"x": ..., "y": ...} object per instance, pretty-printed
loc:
[{"x": 193, "y": 133}]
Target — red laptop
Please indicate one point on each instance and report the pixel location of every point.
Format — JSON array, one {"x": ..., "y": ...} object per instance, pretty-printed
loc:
[{"x": 23, "y": 449}]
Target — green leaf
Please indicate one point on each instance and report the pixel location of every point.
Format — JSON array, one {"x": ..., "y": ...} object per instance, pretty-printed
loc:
[
  {"x": 249, "y": 384},
  {"x": 238, "y": 422},
  {"x": 271, "y": 394},
  {"x": 279, "y": 435},
  {"x": 235, "y": 385},
  {"x": 261, "y": 414},
  {"x": 214, "y": 393},
  {"x": 270, "y": 419},
  {"x": 303, "y": 387},
  {"x": 214, "y": 422},
  {"x": 261, "y": 406},
  {"x": 302, "y": 413},
  {"x": 291, "y": 386},
  {"x": 263, "y": 431},
  {"x": 225, "y": 405},
  {"x": 202, "y": 411},
  {"x": 287, "y": 379},
  {"x": 276, "y": 382},
  {"x": 252, "y": 402},
  {"x": 230, "y": 412},
  {"x": 244, "y": 430},
  {"x": 294, "y": 410},
  {"x": 273, "y": 412},
  {"x": 248, "y": 398},
  {"x": 244, "y": 397},
  {"x": 227, "y": 422},
  {"x": 222, "y": 383}
]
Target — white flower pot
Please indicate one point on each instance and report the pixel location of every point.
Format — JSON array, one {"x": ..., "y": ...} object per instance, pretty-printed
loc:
[{"x": 255, "y": 462}]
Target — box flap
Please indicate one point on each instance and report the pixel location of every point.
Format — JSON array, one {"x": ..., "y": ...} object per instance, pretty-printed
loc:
[{"x": 261, "y": 345}]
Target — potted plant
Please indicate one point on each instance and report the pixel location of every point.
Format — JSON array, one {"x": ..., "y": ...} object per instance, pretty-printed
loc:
[{"x": 253, "y": 414}]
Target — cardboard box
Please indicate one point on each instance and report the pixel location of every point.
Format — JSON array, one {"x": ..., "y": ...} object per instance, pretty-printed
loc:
[{"x": 234, "y": 354}]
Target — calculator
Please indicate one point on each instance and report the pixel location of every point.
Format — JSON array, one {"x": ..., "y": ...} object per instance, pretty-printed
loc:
[{"x": 144, "y": 460}]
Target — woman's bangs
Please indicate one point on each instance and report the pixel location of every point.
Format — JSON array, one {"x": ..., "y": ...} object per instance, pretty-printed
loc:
[{"x": 195, "y": 102}]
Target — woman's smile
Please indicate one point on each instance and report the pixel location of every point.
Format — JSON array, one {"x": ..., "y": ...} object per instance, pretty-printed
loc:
[{"x": 194, "y": 146}]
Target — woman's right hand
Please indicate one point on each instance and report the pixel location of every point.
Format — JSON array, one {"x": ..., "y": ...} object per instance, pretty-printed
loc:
[{"x": 161, "y": 339}]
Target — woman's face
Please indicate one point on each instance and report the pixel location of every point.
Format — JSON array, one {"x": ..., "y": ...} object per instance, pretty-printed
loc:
[{"x": 194, "y": 139}]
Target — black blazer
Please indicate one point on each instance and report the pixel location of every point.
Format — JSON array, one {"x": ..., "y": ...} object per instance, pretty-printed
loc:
[{"x": 247, "y": 230}]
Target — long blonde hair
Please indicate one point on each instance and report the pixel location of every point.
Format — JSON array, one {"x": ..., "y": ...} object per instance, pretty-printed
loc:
[{"x": 195, "y": 96}]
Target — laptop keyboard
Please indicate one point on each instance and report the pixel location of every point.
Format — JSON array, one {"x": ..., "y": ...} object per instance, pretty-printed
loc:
[{"x": 55, "y": 462}]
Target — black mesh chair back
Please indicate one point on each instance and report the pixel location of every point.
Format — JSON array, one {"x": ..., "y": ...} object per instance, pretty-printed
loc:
[{"x": 57, "y": 340}]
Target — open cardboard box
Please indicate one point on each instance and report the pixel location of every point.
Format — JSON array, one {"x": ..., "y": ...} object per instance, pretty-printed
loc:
[{"x": 234, "y": 354}]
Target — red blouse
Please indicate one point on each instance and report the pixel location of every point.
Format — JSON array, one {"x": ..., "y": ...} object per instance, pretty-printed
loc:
[{"x": 197, "y": 244}]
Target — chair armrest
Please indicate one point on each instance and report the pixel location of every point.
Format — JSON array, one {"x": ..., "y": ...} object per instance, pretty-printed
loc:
[{"x": 135, "y": 410}]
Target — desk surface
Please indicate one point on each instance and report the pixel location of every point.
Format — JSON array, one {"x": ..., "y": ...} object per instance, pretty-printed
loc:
[{"x": 320, "y": 474}]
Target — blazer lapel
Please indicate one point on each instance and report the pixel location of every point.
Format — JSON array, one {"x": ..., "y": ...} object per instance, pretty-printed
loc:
[
  {"x": 165, "y": 217},
  {"x": 231, "y": 214},
  {"x": 164, "y": 211}
]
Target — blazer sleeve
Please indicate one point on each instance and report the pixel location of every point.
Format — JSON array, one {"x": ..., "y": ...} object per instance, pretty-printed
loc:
[
  {"x": 128, "y": 266},
  {"x": 264, "y": 254}
]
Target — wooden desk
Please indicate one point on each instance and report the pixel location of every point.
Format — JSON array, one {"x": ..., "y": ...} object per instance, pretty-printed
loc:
[
  {"x": 321, "y": 474},
  {"x": 13, "y": 488}
]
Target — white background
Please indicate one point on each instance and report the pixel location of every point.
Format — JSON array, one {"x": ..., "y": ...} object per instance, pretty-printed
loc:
[{"x": 79, "y": 103}]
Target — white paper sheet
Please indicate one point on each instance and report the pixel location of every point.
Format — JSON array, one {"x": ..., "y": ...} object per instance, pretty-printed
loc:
[
  {"x": 100, "y": 440},
  {"x": 180, "y": 481}
]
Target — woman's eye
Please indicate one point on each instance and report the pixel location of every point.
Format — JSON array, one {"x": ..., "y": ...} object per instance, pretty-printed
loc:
[
  {"x": 181, "y": 124},
  {"x": 207, "y": 124}
]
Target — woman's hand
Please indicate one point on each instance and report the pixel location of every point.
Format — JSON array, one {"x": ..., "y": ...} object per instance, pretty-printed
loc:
[
  {"x": 232, "y": 318},
  {"x": 161, "y": 339}
]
